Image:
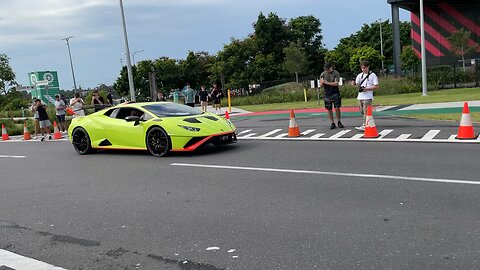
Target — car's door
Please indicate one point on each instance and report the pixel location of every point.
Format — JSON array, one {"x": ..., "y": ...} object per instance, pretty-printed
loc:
[{"x": 124, "y": 134}]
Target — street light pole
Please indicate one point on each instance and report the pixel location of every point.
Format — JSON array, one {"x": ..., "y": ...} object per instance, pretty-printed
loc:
[
  {"x": 71, "y": 63},
  {"x": 422, "y": 45},
  {"x": 127, "y": 52},
  {"x": 381, "y": 43},
  {"x": 133, "y": 56}
]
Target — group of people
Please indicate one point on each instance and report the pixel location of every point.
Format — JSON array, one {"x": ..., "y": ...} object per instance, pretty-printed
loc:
[
  {"x": 366, "y": 81},
  {"x": 42, "y": 121},
  {"x": 215, "y": 95}
]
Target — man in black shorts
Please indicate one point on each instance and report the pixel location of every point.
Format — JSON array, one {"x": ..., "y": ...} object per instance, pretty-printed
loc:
[{"x": 329, "y": 80}]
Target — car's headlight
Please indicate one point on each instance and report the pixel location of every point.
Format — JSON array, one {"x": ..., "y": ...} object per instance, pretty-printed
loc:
[{"x": 195, "y": 129}]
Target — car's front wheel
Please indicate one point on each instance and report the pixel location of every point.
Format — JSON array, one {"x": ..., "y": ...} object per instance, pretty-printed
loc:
[
  {"x": 158, "y": 143},
  {"x": 81, "y": 141}
]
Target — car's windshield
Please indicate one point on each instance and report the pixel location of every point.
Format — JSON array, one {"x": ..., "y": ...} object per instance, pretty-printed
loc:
[{"x": 171, "y": 109}]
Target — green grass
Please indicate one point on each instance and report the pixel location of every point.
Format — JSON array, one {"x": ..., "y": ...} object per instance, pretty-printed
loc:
[
  {"x": 446, "y": 116},
  {"x": 463, "y": 94}
]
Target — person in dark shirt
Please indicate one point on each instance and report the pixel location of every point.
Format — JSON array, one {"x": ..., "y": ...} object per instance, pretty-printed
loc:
[
  {"x": 43, "y": 118},
  {"x": 217, "y": 99},
  {"x": 203, "y": 95},
  {"x": 329, "y": 80},
  {"x": 97, "y": 101}
]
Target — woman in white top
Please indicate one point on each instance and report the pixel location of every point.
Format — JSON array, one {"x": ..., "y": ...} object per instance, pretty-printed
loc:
[{"x": 77, "y": 105}]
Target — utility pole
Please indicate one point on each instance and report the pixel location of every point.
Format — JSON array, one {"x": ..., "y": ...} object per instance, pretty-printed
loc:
[
  {"x": 71, "y": 63},
  {"x": 127, "y": 52}
]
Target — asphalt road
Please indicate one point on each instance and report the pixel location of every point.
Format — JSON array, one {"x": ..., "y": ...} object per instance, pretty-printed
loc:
[{"x": 270, "y": 205}]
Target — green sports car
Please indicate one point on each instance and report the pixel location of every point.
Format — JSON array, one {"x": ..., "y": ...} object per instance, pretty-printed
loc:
[{"x": 159, "y": 127}]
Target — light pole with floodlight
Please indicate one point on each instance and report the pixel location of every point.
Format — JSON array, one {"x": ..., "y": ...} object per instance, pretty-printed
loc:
[
  {"x": 133, "y": 56},
  {"x": 381, "y": 42},
  {"x": 71, "y": 63},
  {"x": 127, "y": 52}
]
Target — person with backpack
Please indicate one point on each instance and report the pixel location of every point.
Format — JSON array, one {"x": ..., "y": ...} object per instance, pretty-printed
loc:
[{"x": 366, "y": 82}]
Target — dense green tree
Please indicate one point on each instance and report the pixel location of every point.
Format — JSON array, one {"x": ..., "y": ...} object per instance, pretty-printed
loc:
[
  {"x": 307, "y": 30},
  {"x": 7, "y": 76},
  {"x": 459, "y": 40},
  {"x": 410, "y": 60},
  {"x": 295, "y": 59},
  {"x": 365, "y": 53}
]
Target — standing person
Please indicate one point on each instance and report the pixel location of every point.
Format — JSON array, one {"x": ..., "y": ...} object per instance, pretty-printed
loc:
[
  {"x": 217, "y": 99},
  {"x": 189, "y": 94},
  {"x": 60, "y": 107},
  {"x": 97, "y": 101},
  {"x": 36, "y": 118},
  {"x": 329, "y": 80},
  {"x": 77, "y": 105},
  {"x": 44, "y": 121},
  {"x": 203, "y": 95},
  {"x": 367, "y": 82},
  {"x": 160, "y": 96},
  {"x": 110, "y": 98}
]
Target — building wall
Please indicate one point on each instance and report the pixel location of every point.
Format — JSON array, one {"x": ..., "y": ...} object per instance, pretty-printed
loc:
[{"x": 441, "y": 19}]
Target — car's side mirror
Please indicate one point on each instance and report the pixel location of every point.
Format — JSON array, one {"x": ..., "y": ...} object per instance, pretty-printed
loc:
[{"x": 133, "y": 118}]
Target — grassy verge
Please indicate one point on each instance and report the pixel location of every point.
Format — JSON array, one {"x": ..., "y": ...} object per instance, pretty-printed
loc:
[
  {"x": 446, "y": 116},
  {"x": 463, "y": 94}
]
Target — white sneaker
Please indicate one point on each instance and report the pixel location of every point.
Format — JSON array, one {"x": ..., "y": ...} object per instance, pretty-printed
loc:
[{"x": 361, "y": 128}]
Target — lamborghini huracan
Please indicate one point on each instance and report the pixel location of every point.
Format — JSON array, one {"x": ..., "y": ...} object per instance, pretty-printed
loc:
[{"x": 159, "y": 127}]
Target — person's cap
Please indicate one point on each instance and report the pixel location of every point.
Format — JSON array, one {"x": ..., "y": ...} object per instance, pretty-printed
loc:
[
  {"x": 57, "y": 96},
  {"x": 327, "y": 65}
]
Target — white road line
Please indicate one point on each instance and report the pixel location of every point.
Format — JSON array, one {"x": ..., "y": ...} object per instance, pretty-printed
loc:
[
  {"x": 248, "y": 135},
  {"x": 245, "y": 131},
  {"x": 403, "y": 137},
  {"x": 452, "y": 137},
  {"x": 340, "y": 134},
  {"x": 318, "y": 135},
  {"x": 308, "y": 131},
  {"x": 430, "y": 134},
  {"x": 18, "y": 262},
  {"x": 3, "y": 156},
  {"x": 357, "y": 136},
  {"x": 270, "y": 133},
  {"x": 384, "y": 133},
  {"x": 281, "y": 135},
  {"x": 381, "y": 176}
]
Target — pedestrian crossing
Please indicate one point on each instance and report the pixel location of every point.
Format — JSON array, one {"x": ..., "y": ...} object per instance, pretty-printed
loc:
[{"x": 386, "y": 135}]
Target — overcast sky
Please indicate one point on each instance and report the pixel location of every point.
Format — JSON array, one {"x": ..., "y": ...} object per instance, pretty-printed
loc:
[{"x": 31, "y": 30}]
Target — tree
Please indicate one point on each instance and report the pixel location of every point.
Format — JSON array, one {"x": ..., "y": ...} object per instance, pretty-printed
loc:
[
  {"x": 307, "y": 31},
  {"x": 295, "y": 59},
  {"x": 365, "y": 53},
  {"x": 7, "y": 76},
  {"x": 459, "y": 41},
  {"x": 410, "y": 60}
]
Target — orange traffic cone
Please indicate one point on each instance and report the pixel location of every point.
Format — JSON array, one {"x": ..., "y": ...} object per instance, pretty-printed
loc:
[
  {"x": 227, "y": 115},
  {"x": 4, "y": 134},
  {"x": 56, "y": 132},
  {"x": 465, "y": 131},
  {"x": 70, "y": 111},
  {"x": 26, "y": 133},
  {"x": 370, "y": 128},
  {"x": 293, "y": 130}
]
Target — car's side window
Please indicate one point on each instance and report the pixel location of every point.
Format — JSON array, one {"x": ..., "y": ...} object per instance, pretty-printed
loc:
[{"x": 114, "y": 113}]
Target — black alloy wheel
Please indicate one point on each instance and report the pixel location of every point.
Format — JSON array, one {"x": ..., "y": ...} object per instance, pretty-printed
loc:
[
  {"x": 81, "y": 141},
  {"x": 158, "y": 143}
]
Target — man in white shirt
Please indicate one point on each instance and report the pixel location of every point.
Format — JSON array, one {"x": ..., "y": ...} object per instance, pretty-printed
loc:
[{"x": 367, "y": 82}]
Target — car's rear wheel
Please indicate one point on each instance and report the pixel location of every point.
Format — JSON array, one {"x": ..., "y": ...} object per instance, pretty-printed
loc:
[
  {"x": 158, "y": 143},
  {"x": 81, "y": 141}
]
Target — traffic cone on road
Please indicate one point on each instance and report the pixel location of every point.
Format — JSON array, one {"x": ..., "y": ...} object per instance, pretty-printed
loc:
[
  {"x": 465, "y": 131},
  {"x": 70, "y": 111},
  {"x": 26, "y": 133},
  {"x": 56, "y": 132},
  {"x": 4, "y": 133},
  {"x": 227, "y": 115},
  {"x": 370, "y": 128},
  {"x": 293, "y": 130}
]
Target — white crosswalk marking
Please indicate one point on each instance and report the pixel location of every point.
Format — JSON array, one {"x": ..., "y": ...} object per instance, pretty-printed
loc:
[
  {"x": 270, "y": 133},
  {"x": 281, "y": 135},
  {"x": 430, "y": 135},
  {"x": 249, "y": 135},
  {"x": 18, "y": 262},
  {"x": 403, "y": 137},
  {"x": 318, "y": 135},
  {"x": 308, "y": 131},
  {"x": 452, "y": 137},
  {"x": 357, "y": 136},
  {"x": 245, "y": 131},
  {"x": 340, "y": 134},
  {"x": 384, "y": 133}
]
